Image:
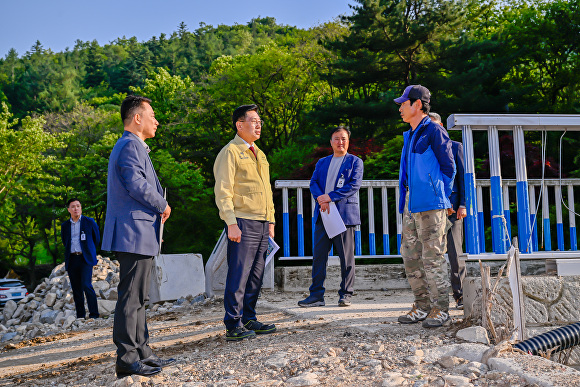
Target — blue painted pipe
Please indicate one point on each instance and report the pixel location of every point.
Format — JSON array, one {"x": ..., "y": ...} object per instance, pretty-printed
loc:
[{"x": 559, "y": 339}]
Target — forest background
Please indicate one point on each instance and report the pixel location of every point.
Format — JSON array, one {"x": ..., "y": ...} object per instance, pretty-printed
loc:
[{"x": 59, "y": 112}]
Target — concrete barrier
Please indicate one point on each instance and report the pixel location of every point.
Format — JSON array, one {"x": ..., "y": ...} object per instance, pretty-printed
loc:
[
  {"x": 176, "y": 275},
  {"x": 367, "y": 277}
]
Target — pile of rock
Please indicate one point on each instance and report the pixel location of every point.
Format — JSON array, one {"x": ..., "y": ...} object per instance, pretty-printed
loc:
[{"x": 50, "y": 308}]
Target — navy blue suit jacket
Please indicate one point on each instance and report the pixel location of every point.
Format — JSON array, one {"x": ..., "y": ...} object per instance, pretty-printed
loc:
[
  {"x": 457, "y": 197},
  {"x": 134, "y": 200},
  {"x": 88, "y": 246},
  {"x": 345, "y": 199}
]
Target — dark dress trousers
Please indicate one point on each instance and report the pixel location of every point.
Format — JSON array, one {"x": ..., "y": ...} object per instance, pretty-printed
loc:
[
  {"x": 455, "y": 233},
  {"x": 134, "y": 204},
  {"x": 346, "y": 202},
  {"x": 246, "y": 264},
  {"x": 80, "y": 267}
]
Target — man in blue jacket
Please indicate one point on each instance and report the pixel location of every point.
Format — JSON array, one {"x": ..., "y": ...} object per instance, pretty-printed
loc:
[
  {"x": 425, "y": 181},
  {"x": 336, "y": 178},
  {"x": 79, "y": 236},
  {"x": 135, "y": 210},
  {"x": 455, "y": 216}
]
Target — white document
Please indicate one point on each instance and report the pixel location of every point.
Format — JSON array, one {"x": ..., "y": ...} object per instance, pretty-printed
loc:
[
  {"x": 333, "y": 223},
  {"x": 161, "y": 225},
  {"x": 272, "y": 248}
]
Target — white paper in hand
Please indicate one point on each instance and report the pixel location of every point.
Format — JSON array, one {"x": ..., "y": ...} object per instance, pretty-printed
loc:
[
  {"x": 333, "y": 223},
  {"x": 272, "y": 248}
]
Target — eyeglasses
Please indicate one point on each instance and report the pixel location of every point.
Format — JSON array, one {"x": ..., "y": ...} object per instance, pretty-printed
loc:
[{"x": 254, "y": 122}]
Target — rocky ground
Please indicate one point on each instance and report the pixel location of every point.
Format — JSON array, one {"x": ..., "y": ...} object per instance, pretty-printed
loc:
[{"x": 329, "y": 346}]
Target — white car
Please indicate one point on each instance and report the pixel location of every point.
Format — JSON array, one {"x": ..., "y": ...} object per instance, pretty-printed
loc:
[{"x": 11, "y": 289}]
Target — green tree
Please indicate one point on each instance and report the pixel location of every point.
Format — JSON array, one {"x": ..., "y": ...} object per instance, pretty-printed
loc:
[{"x": 390, "y": 44}]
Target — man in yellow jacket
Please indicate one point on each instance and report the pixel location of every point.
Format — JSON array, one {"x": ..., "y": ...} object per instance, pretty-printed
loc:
[{"x": 243, "y": 195}]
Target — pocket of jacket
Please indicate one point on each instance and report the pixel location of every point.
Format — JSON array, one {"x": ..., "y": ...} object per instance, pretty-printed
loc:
[
  {"x": 433, "y": 186},
  {"x": 142, "y": 215}
]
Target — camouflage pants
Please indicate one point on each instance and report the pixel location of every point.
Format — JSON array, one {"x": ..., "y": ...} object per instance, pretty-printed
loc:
[{"x": 423, "y": 247}]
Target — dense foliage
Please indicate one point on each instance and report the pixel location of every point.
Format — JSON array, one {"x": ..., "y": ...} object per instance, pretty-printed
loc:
[{"x": 59, "y": 115}]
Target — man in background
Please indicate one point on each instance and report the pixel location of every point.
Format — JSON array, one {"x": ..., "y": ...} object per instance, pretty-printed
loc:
[
  {"x": 243, "y": 195},
  {"x": 80, "y": 235},
  {"x": 135, "y": 210},
  {"x": 425, "y": 181},
  {"x": 337, "y": 178},
  {"x": 455, "y": 216}
]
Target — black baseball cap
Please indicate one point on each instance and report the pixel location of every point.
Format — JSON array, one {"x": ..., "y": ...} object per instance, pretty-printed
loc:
[{"x": 415, "y": 92}]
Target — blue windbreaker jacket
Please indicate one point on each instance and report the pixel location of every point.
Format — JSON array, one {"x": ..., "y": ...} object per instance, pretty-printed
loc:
[{"x": 431, "y": 168}]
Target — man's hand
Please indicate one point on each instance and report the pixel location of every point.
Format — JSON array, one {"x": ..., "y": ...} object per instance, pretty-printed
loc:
[
  {"x": 271, "y": 230},
  {"x": 323, "y": 199},
  {"x": 165, "y": 214},
  {"x": 234, "y": 233},
  {"x": 461, "y": 212}
]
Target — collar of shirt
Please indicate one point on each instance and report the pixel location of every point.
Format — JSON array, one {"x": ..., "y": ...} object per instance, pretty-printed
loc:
[
  {"x": 73, "y": 222},
  {"x": 142, "y": 142},
  {"x": 247, "y": 143}
]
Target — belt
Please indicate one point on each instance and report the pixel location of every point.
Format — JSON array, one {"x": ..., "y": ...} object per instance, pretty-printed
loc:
[{"x": 77, "y": 253}]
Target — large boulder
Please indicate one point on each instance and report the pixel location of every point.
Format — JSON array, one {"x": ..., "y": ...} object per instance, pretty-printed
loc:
[
  {"x": 106, "y": 307},
  {"x": 9, "y": 309},
  {"x": 50, "y": 299},
  {"x": 48, "y": 316}
]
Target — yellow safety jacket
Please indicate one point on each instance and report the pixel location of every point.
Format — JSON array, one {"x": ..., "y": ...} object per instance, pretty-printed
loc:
[{"x": 242, "y": 183}]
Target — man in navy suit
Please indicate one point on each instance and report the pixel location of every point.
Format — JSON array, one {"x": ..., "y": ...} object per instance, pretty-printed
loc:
[
  {"x": 455, "y": 216},
  {"x": 79, "y": 236},
  {"x": 135, "y": 210},
  {"x": 336, "y": 178}
]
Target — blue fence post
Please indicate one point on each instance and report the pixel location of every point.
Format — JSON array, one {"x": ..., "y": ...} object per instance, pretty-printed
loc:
[
  {"x": 507, "y": 215},
  {"x": 524, "y": 230},
  {"x": 471, "y": 221},
  {"x": 286, "y": 222},
  {"x": 572, "y": 217},
  {"x": 546, "y": 218},
  {"x": 534, "y": 218},
  {"x": 494, "y": 235},
  {"x": 300, "y": 221},
  {"x": 480, "y": 222},
  {"x": 371, "y": 208},
  {"x": 385, "y": 207},
  {"x": 497, "y": 213},
  {"x": 559, "y": 224},
  {"x": 357, "y": 235},
  {"x": 312, "y": 220},
  {"x": 399, "y": 218}
]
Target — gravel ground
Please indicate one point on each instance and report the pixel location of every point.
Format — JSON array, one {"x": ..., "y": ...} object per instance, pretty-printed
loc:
[{"x": 330, "y": 346}]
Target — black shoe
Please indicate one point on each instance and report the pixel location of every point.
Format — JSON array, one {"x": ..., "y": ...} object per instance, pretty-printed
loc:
[
  {"x": 239, "y": 333},
  {"x": 344, "y": 301},
  {"x": 259, "y": 328},
  {"x": 137, "y": 368},
  {"x": 311, "y": 301},
  {"x": 156, "y": 361},
  {"x": 459, "y": 303}
]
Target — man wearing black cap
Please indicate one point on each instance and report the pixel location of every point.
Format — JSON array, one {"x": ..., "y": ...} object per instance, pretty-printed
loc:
[{"x": 425, "y": 181}]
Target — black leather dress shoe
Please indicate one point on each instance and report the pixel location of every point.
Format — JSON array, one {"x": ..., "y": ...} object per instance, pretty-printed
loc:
[
  {"x": 137, "y": 368},
  {"x": 156, "y": 361}
]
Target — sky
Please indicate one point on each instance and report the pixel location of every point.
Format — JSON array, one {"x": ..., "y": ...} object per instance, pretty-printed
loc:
[{"x": 57, "y": 24}]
